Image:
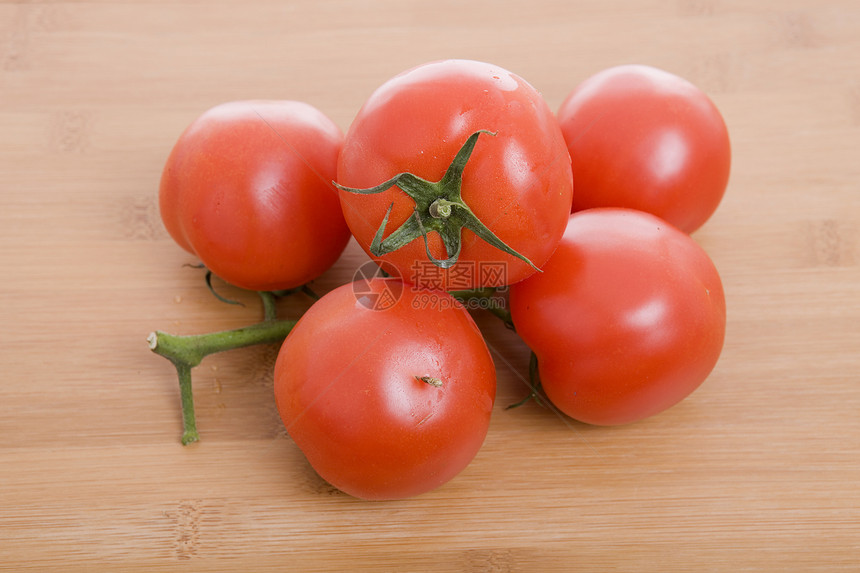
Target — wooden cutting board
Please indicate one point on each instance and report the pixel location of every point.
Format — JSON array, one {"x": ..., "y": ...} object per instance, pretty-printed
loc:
[{"x": 757, "y": 470}]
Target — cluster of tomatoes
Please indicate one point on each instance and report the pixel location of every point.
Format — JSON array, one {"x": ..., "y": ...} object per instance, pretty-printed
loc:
[{"x": 456, "y": 176}]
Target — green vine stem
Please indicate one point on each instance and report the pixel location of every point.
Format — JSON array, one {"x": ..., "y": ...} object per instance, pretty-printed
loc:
[
  {"x": 534, "y": 384},
  {"x": 270, "y": 305},
  {"x": 186, "y": 352}
]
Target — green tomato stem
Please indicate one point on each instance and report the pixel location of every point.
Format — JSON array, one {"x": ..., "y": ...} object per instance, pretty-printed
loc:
[
  {"x": 270, "y": 309},
  {"x": 186, "y": 352},
  {"x": 441, "y": 208},
  {"x": 189, "y": 423}
]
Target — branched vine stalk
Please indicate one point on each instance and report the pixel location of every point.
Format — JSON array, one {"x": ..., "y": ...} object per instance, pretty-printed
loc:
[{"x": 186, "y": 352}]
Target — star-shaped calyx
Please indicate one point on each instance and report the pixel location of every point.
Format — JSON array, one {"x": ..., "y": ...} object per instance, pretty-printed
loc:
[{"x": 438, "y": 207}]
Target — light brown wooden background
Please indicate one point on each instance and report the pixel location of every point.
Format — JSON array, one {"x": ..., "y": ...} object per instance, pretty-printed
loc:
[{"x": 758, "y": 470}]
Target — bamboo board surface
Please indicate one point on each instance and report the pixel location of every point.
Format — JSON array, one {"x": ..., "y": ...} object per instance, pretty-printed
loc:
[{"x": 757, "y": 470}]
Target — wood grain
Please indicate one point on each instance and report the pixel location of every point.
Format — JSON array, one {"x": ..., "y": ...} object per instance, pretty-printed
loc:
[{"x": 758, "y": 470}]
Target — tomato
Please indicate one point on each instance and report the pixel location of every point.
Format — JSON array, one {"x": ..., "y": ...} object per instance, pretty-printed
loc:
[
  {"x": 516, "y": 180},
  {"x": 247, "y": 189},
  {"x": 646, "y": 139},
  {"x": 627, "y": 319},
  {"x": 387, "y": 397}
]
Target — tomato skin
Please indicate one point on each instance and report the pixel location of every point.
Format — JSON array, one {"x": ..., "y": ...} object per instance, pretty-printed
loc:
[
  {"x": 518, "y": 182},
  {"x": 346, "y": 389},
  {"x": 646, "y": 139},
  {"x": 247, "y": 189},
  {"x": 627, "y": 319}
]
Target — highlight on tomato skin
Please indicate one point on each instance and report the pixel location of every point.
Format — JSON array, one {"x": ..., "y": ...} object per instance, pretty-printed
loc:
[
  {"x": 386, "y": 388},
  {"x": 643, "y": 138},
  {"x": 247, "y": 189},
  {"x": 627, "y": 319}
]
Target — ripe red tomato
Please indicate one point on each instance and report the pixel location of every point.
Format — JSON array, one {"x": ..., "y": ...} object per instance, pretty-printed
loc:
[
  {"x": 517, "y": 182},
  {"x": 388, "y": 398},
  {"x": 247, "y": 188},
  {"x": 627, "y": 319},
  {"x": 646, "y": 139}
]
